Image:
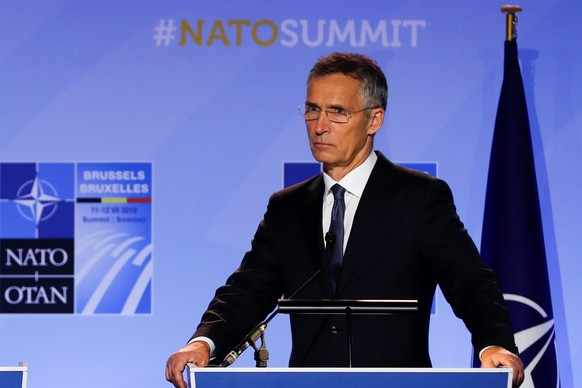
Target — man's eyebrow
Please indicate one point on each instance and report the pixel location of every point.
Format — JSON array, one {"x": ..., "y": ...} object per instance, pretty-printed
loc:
[
  {"x": 336, "y": 106},
  {"x": 332, "y": 106}
]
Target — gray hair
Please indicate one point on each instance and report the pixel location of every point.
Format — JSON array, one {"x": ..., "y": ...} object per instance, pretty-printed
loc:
[{"x": 373, "y": 85}]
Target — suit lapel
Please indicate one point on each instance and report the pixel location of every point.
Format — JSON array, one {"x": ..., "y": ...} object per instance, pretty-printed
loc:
[
  {"x": 369, "y": 215},
  {"x": 310, "y": 215},
  {"x": 313, "y": 233}
]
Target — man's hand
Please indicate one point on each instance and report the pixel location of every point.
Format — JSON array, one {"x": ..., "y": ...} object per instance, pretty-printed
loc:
[
  {"x": 197, "y": 352},
  {"x": 495, "y": 356}
]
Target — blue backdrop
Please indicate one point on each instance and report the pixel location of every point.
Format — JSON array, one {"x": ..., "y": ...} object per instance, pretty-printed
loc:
[{"x": 207, "y": 92}]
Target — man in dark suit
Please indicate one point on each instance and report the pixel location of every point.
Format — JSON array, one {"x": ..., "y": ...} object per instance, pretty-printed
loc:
[{"x": 401, "y": 237}]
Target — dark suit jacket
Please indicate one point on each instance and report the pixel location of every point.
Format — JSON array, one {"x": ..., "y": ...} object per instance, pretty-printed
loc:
[{"x": 406, "y": 237}]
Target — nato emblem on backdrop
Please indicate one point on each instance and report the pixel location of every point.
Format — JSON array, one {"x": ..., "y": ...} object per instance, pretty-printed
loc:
[
  {"x": 36, "y": 237},
  {"x": 75, "y": 238}
]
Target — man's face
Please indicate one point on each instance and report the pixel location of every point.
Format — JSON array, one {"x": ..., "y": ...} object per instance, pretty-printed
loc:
[{"x": 340, "y": 147}]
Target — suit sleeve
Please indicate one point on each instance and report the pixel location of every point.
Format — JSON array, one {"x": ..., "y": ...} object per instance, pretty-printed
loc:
[
  {"x": 468, "y": 284},
  {"x": 248, "y": 295}
]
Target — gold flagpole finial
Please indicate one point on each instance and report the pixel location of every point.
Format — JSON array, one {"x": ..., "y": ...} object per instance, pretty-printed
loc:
[{"x": 511, "y": 20}]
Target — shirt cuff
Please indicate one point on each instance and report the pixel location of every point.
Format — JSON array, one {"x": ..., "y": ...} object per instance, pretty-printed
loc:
[{"x": 207, "y": 340}]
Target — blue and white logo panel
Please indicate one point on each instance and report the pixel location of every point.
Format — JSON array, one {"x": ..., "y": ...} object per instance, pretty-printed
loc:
[
  {"x": 114, "y": 247},
  {"x": 76, "y": 238}
]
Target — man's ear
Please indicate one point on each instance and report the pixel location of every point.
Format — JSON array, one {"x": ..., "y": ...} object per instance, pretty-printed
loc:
[{"x": 376, "y": 120}]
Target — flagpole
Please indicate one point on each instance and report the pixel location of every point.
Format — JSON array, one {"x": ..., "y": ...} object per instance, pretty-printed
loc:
[
  {"x": 512, "y": 241},
  {"x": 511, "y": 20}
]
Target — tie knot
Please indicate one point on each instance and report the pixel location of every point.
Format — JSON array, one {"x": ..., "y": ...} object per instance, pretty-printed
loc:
[{"x": 338, "y": 192}]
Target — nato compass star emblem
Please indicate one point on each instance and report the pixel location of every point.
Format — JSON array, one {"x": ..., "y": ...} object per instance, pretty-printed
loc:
[
  {"x": 37, "y": 200},
  {"x": 536, "y": 343}
]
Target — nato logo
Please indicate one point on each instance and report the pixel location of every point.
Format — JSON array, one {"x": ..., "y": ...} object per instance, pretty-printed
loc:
[
  {"x": 37, "y": 226},
  {"x": 37, "y": 200},
  {"x": 536, "y": 342},
  {"x": 75, "y": 238}
]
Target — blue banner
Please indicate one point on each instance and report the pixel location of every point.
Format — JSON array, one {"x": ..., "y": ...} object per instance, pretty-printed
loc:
[{"x": 513, "y": 240}]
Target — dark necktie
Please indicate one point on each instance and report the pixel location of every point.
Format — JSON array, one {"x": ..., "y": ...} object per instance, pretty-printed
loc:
[{"x": 337, "y": 229}]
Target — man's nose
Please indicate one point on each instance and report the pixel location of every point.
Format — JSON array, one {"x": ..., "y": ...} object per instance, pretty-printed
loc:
[{"x": 321, "y": 123}]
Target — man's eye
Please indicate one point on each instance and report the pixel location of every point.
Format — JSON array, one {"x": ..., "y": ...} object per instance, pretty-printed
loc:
[
  {"x": 337, "y": 111},
  {"x": 312, "y": 109}
]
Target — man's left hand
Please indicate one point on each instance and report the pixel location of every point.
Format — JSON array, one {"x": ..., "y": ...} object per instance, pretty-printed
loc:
[{"x": 496, "y": 356}]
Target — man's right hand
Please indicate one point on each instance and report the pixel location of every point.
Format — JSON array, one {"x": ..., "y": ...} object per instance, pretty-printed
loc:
[{"x": 197, "y": 352}]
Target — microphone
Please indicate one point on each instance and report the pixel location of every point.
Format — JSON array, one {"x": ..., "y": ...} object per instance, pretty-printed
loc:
[
  {"x": 259, "y": 330},
  {"x": 249, "y": 340},
  {"x": 330, "y": 240}
]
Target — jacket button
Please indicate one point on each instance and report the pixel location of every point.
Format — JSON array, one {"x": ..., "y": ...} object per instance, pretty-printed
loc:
[{"x": 333, "y": 330}]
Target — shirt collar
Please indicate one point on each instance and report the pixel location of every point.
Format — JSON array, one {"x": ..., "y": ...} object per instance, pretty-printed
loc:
[{"x": 355, "y": 181}]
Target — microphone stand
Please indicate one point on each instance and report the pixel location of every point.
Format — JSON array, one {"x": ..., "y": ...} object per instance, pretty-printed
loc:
[
  {"x": 262, "y": 354},
  {"x": 249, "y": 340}
]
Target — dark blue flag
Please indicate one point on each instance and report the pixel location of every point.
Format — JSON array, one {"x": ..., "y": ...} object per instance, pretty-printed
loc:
[{"x": 513, "y": 241}]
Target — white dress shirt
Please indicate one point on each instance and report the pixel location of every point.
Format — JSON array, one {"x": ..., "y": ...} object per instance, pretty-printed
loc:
[{"x": 354, "y": 183}]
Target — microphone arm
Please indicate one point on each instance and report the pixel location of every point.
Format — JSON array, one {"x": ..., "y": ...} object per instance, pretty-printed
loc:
[
  {"x": 249, "y": 340},
  {"x": 330, "y": 240},
  {"x": 259, "y": 330}
]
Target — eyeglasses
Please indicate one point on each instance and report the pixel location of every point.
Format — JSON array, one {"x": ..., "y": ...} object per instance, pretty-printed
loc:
[{"x": 335, "y": 115}]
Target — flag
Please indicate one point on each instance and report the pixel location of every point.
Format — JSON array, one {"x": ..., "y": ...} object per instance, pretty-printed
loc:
[{"x": 513, "y": 242}]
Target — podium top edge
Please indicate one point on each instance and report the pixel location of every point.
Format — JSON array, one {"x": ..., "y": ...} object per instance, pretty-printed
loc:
[
  {"x": 195, "y": 369},
  {"x": 13, "y": 368}
]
